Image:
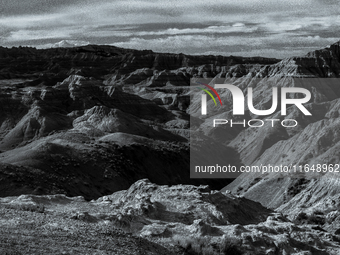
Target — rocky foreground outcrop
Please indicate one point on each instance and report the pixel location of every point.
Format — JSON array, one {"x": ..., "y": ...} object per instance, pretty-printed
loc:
[{"x": 179, "y": 219}]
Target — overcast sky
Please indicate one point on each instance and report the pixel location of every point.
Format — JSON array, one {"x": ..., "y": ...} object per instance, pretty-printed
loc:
[{"x": 269, "y": 28}]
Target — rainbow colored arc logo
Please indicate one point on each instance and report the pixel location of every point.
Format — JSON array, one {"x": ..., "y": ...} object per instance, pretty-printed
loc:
[{"x": 213, "y": 90}]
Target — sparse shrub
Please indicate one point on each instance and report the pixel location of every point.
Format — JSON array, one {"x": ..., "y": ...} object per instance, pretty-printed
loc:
[
  {"x": 184, "y": 241},
  {"x": 110, "y": 230},
  {"x": 208, "y": 251},
  {"x": 318, "y": 212},
  {"x": 315, "y": 218},
  {"x": 196, "y": 245},
  {"x": 301, "y": 218},
  {"x": 296, "y": 187},
  {"x": 39, "y": 208},
  {"x": 230, "y": 246},
  {"x": 204, "y": 246}
]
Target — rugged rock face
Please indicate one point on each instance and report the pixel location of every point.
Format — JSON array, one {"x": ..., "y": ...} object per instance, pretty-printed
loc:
[
  {"x": 93, "y": 120},
  {"x": 184, "y": 212},
  {"x": 180, "y": 219},
  {"x": 81, "y": 101},
  {"x": 69, "y": 111},
  {"x": 314, "y": 141},
  {"x": 122, "y": 65},
  {"x": 187, "y": 203}
]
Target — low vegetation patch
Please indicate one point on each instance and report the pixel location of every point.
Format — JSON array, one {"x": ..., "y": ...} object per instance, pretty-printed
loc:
[
  {"x": 204, "y": 245},
  {"x": 39, "y": 208}
]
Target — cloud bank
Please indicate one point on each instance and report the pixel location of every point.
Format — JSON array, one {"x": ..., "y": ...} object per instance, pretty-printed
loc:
[{"x": 268, "y": 28}]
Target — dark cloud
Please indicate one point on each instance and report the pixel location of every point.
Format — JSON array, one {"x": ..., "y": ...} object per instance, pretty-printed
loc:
[
  {"x": 12, "y": 7},
  {"x": 180, "y": 25},
  {"x": 154, "y": 10},
  {"x": 328, "y": 2},
  {"x": 227, "y": 8}
]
